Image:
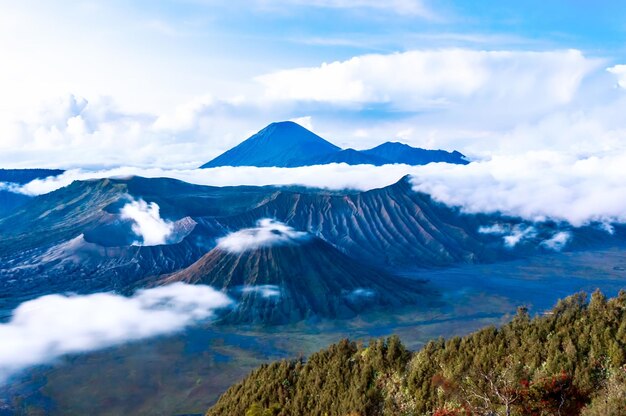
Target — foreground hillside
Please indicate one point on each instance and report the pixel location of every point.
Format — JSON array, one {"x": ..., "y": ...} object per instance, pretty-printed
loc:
[{"x": 571, "y": 361}]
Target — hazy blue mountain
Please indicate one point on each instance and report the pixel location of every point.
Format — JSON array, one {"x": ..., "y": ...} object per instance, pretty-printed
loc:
[
  {"x": 284, "y": 144},
  {"x": 287, "y": 144},
  {"x": 403, "y": 153},
  {"x": 9, "y": 201},
  {"x": 349, "y": 156},
  {"x": 22, "y": 176}
]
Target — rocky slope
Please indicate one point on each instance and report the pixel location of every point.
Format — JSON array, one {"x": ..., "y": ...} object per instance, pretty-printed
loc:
[{"x": 303, "y": 279}]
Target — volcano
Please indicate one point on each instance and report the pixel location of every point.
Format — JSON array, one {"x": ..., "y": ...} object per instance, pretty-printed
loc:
[
  {"x": 297, "y": 279},
  {"x": 287, "y": 144},
  {"x": 284, "y": 144}
]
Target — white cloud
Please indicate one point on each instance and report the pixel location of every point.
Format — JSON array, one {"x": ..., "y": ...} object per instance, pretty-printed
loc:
[
  {"x": 519, "y": 234},
  {"x": 267, "y": 233},
  {"x": 266, "y": 291},
  {"x": 426, "y": 79},
  {"x": 535, "y": 185},
  {"x": 147, "y": 222},
  {"x": 478, "y": 102},
  {"x": 332, "y": 176},
  {"x": 557, "y": 241},
  {"x": 48, "y": 327},
  {"x": 512, "y": 235},
  {"x": 305, "y": 121},
  {"x": 620, "y": 72}
]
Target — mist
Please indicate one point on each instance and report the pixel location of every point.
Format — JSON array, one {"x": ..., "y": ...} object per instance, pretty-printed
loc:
[{"x": 43, "y": 329}]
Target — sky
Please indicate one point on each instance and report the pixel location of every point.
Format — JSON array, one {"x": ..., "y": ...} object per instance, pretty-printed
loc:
[{"x": 170, "y": 84}]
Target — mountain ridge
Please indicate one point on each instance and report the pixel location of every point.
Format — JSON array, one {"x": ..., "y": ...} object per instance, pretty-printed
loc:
[{"x": 288, "y": 144}]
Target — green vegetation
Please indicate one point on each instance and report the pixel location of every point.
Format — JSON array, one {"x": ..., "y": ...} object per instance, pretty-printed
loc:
[{"x": 570, "y": 361}]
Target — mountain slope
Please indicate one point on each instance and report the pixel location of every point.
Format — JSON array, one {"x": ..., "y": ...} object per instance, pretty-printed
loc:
[
  {"x": 403, "y": 153},
  {"x": 283, "y": 144},
  {"x": 388, "y": 226},
  {"x": 349, "y": 156},
  {"x": 568, "y": 362},
  {"x": 303, "y": 279}
]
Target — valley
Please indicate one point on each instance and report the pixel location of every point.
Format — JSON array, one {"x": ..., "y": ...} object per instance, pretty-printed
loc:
[{"x": 184, "y": 374}]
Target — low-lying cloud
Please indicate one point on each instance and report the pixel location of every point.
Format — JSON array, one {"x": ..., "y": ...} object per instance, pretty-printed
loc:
[
  {"x": 575, "y": 188},
  {"x": 557, "y": 241},
  {"x": 534, "y": 186},
  {"x": 266, "y": 291},
  {"x": 512, "y": 235},
  {"x": 147, "y": 222},
  {"x": 268, "y": 232},
  {"x": 48, "y": 327}
]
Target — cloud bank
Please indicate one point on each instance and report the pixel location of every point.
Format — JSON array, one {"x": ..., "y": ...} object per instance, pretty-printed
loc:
[
  {"x": 575, "y": 188},
  {"x": 267, "y": 233},
  {"x": 422, "y": 79},
  {"x": 535, "y": 186},
  {"x": 147, "y": 222},
  {"x": 48, "y": 327}
]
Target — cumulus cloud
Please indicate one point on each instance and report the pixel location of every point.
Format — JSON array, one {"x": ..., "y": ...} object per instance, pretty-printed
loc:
[
  {"x": 535, "y": 186},
  {"x": 147, "y": 222},
  {"x": 478, "y": 102},
  {"x": 48, "y": 327},
  {"x": 422, "y": 79},
  {"x": 268, "y": 232}
]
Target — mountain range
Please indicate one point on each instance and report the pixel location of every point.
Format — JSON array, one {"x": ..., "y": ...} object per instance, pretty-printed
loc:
[
  {"x": 77, "y": 239},
  {"x": 288, "y": 144}
]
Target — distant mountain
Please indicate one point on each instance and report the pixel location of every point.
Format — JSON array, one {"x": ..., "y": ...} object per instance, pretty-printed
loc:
[
  {"x": 287, "y": 144},
  {"x": 403, "y": 153},
  {"x": 9, "y": 201},
  {"x": 284, "y": 144},
  {"x": 22, "y": 176},
  {"x": 286, "y": 283},
  {"x": 349, "y": 156}
]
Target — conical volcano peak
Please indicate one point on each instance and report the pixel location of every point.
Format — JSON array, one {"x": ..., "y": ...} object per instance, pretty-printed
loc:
[{"x": 282, "y": 144}]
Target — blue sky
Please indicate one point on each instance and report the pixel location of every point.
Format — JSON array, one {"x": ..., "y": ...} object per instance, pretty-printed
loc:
[{"x": 177, "y": 82}]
